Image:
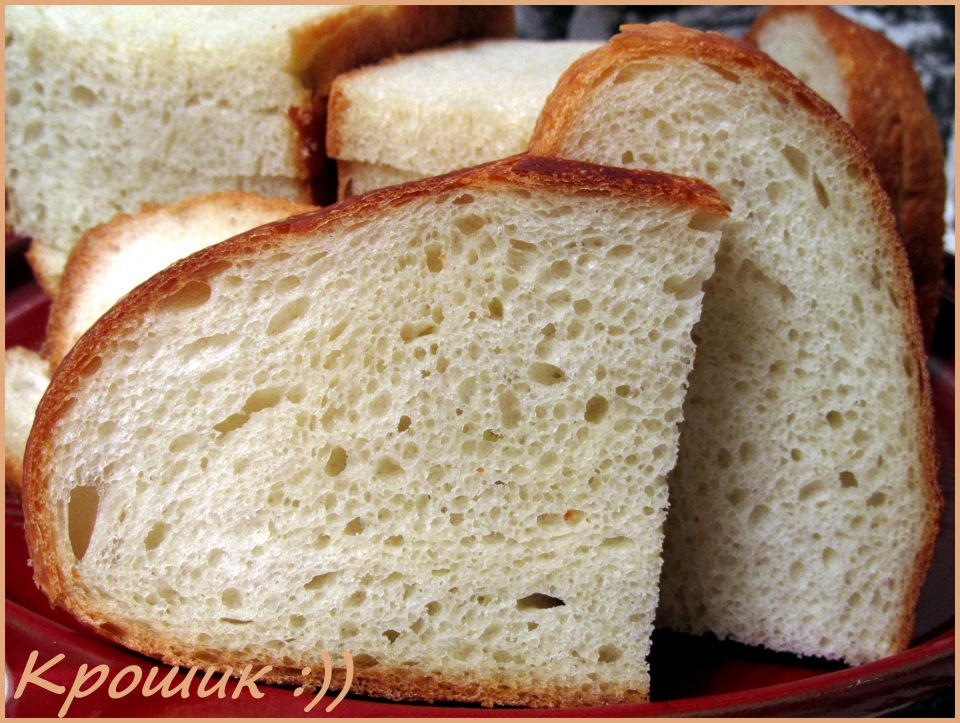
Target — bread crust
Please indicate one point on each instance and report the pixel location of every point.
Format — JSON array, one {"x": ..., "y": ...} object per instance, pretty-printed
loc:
[
  {"x": 888, "y": 110},
  {"x": 89, "y": 254},
  {"x": 61, "y": 582},
  {"x": 666, "y": 40}
]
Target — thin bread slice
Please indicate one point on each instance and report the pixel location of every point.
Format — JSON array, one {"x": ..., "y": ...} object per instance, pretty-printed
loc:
[
  {"x": 109, "y": 107},
  {"x": 25, "y": 379},
  {"x": 115, "y": 256},
  {"x": 431, "y": 426},
  {"x": 804, "y": 503},
  {"x": 872, "y": 83},
  {"x": 439, "y": 110}
]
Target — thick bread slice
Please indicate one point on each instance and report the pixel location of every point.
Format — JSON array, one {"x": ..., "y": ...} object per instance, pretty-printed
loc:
[
  {"x": 438, "y": 110},
  {"x": 114, "y": 257},
  {"x": 109, "y": 107},
  {"x": 25, "y": 378},
  {"x": 804, "y": 504},
  {"x": 431, "y": 426},
  {"x": 874, "y": 86}
]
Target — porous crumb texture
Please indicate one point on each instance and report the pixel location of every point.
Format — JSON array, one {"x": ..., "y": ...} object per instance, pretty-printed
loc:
[
  {"x": 804, "y": 497},
  {"x": 875, "y": 87},
  {"x": 145, "y": 104},
  {"x": 439, "y": 110},
  {"x": 114, "y": 257},
  {"x": 438, "y": 440}
]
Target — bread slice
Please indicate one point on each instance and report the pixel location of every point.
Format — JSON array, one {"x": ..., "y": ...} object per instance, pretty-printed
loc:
[
  {"x": 804, "y": 504},
  {"x": 110, "y": 107},
  {"x": 872, "y": 83},
  {"x": 431, "y": 426},
  {"x": 25, "y": 379},
  {"x": 438, "y": 110},
  {"x": 115, "y": 256}
]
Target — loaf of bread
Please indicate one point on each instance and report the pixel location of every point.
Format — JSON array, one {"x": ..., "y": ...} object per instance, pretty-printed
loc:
[
  {"x": 431, "y": 426},
  {"x": 872, "y": 83},
  {"x": 110, "y": 107},
  {"x": 25, "y": 379},
  {"x": 115, "y": 256},
  {"x": 804, "y": 504},
  {"x": 439, "y": 110}
]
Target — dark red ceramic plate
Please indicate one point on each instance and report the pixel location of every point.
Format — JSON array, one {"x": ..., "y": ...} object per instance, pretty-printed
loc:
[{"x": 690, "y": 676}]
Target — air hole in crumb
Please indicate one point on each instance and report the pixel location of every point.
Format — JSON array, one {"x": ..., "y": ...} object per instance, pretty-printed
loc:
[
  {"x": 337, "y": 461},
  {"x": 547, "y": 374},
  {"x": 387, "y": 466},
  {"x": 362, "y": 660},
  {"x": 231, "y": 598},
  {"x": 469, "y": 224},
  {"x": 81, "y": 518},
  {"x": 596, "y": 409},
  {"x": 262, "y": 399},
  {"x": 287, "y": 315},
  {"x": 822, "y": 197},
  {"x": 411, "y": 331},
  {"x": 156, "y": 535},
  {"x": 609, "y": 653},
  {"x": 495, "y": 307},
  {"x": 234, "y": 421},
  {"x": 434, "y": 256},
  {"x": 404, "y": 423},
  {"x": 318, "y": 582},
  {"x": 539, "y": 601},
  {"x": 188, "y": 296},
  {"x": 391, "y": 635},
  {"x": 724, "y": 73},
  {"x": 848, "y": 479},
  {"x": 90, "y": 367},
  {"x": 876, "y": 499},
  {"x": 798, "y": 160},
  {"x": 758, "y": 514},
  {"x": 353, "y": 527}
]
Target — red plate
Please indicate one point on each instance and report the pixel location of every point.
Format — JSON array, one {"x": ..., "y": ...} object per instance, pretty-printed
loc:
[{"x": 690, "y": 675}]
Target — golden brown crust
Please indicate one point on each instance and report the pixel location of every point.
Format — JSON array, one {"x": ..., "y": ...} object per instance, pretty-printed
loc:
[
  {"x": 366, "y": 34},
  {"x": 889, "y": 112},
  {"x": 61, "y": 582},
  {"x": 87, "y": 256},
  {"x": 665, "y": 40}
]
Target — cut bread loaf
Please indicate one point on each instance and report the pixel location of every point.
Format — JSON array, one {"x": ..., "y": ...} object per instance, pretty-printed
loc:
[
  {"x": 109, "y": 107},
  {"x": 804, "y": 503},
  {"x": 114, "y": 257},
  {"x": 25, "y": 379},
  {"x": 439, "y": 110},
  {"x": 872, "y": 83},
  {"x": 431, "y": 425}
]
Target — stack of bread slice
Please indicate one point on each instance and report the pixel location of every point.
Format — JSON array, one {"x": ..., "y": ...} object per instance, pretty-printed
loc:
[
  {"x": 438, "y": 424},
  {"x": 436, "y": 111},
  {"x": 110, "y": 107}
]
